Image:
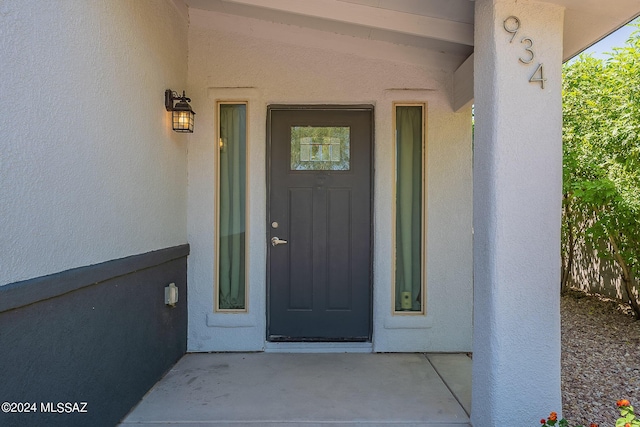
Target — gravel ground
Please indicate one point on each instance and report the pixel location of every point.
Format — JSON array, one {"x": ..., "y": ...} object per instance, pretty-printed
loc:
[{"x": 600, "y": 359}]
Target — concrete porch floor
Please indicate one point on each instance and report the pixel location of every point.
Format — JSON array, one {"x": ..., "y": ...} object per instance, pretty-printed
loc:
[{"x": 250, "y": 389}]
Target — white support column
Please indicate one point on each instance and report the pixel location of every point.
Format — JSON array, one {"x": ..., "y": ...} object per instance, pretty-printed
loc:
[{"x": 517, "y": 209}]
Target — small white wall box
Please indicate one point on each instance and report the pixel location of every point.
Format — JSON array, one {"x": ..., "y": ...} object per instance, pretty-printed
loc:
[{"x": 171, "y": 294}]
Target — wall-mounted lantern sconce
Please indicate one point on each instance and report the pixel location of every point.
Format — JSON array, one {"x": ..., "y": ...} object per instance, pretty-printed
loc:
[{"x": 181, "y": 112}]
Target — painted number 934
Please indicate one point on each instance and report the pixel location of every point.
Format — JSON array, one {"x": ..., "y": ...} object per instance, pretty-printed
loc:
[{"x": 512, "y": 26}]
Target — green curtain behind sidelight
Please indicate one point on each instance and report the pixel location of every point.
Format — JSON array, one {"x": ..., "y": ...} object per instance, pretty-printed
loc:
[
  {"x": 408, "y": 208},
  {"x": 233, "y": 154}
]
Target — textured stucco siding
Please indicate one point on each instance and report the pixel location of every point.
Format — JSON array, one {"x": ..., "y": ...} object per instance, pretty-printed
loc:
[
  {"x": 89, "y": 168},
  {"x": 517, "y": 207},
  {"x": 233, "y": 58}
]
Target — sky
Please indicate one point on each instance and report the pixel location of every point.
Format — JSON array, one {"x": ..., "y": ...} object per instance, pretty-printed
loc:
[{"x": 616, "y": 39}]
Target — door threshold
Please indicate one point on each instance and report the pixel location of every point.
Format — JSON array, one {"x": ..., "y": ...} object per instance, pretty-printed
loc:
[{"x": 318, "y": 347}]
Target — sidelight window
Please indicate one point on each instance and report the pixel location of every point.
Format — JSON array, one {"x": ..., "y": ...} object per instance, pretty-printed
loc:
[
  {"x": 231, "y": 291},
  {"x": 409, "y": 293}
]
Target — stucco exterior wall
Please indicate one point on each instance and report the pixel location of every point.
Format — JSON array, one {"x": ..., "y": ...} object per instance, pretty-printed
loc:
[
  {"x": 234, "y": 58},
  {"x": 89, "y": 167},
  {"x": 517, "y": 207}
]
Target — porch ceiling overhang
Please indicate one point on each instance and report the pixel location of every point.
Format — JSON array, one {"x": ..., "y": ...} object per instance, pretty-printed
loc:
[{"x": 445, "y": 26}]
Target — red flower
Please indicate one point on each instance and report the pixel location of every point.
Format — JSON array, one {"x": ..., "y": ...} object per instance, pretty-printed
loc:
[
  {"x": 627, "y": 425},
  {"x": 593, "y": 425},
  {"x": 623, "y": 402},
  {"x": 553, "y": 416},
  {"x": 543, "y": 421}
]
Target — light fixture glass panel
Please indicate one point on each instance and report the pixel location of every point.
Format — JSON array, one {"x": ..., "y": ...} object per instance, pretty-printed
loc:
[
  {"x": 183, "y": 121},
  {"x": 316, "y": 148}
]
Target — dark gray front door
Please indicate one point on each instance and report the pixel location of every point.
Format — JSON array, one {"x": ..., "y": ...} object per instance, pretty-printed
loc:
[{"x": 319, "y": 225}]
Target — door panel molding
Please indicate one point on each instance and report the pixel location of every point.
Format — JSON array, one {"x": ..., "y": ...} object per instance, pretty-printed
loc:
[{"x": 342, "y": 246}]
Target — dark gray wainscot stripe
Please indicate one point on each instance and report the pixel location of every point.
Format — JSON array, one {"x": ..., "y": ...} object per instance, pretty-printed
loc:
[{"x": 99, "y": 335}]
